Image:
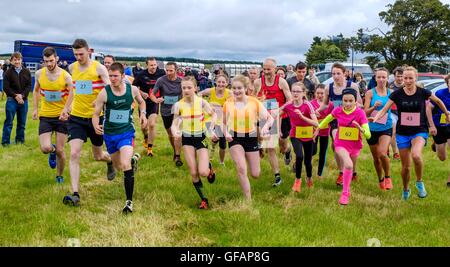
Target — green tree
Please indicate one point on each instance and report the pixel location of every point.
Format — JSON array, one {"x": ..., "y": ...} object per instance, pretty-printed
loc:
[
  {"x": 323, "y": 52},
  {"x": 419, "y": 29}
]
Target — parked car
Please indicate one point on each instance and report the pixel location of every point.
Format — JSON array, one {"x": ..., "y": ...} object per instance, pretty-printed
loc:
[
  {"x": 429, "y": 76},
  {"x": 431, "y": 84},
  {"x": 442, "y": 86}
]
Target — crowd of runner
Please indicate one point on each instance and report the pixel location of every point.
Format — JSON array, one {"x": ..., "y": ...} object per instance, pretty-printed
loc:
[{"x": 255, "y": 115}]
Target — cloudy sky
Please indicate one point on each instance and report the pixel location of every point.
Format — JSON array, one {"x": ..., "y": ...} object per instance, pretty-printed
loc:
[{"x": 206, "y": 29}]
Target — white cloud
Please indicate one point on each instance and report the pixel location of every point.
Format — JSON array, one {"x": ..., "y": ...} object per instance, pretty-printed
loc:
[{"x": 209, "y": 29}]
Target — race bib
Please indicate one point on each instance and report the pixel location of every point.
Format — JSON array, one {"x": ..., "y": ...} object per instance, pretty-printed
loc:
[
  {"x": 304, "y": 132},
  {"x": 381, "y": 120},
  {"x": 170, "y": 100},
  {"x": 119, "y": 116},
  {"x": 271, "y": 104},
  {"x": 348, "y": 133},
  {"x": 83, "y": 87},
  {"x": 443, "y": 119},
  {"x": 410, "y": 119},
  {"x": 52, "y": 96}
]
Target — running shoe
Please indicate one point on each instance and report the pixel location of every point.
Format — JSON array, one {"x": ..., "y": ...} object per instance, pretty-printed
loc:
[
  {"x": 178, "y": 161},
  {"x": 421, "y": 187},
  {"x": 344, "y": 198},
  {"x": 52, "y": 158},
  {"x": 396, "y": 156},
  {"x": 212, "y": 174},
  {"x": 309, "y": 182},
  {"x": 388, "y": 183},
  {"x": 128, "y": 207},
  {"x": 277, "y": 181},
  {"x": 59, "y": 179},
  {"x": 340, "y": 179},
  {"x": 287, "y": 157},
  {"x": 150, "y": 151},
  {"x": 406, "y": 194},
  {"x": 72, "y": 200},
  {"x": 111, "y": 173},
  {"x": 297, "y": 187},
  {"x": 204, "y": 204},
  {"x": 382, "y": 184},
  {"x": 144, "y": 144}
]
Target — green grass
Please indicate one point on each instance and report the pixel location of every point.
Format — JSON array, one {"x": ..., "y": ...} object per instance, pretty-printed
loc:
[{"x": 32, "y": 212}]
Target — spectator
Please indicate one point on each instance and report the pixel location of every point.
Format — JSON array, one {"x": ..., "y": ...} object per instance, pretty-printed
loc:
[
  {"x": 17, "y": 86},
  {"x": 312, "y": 76},
  {"x": 372, "y": 83},
  {"x": 362, "y": 84},
  {"x": 128, "y": 70},
  {"x": 180, "y": 72},
  {"x": 290, "y": 71},
  {"x": 281, "y": 72},
  {"x": 203, "y": 77},
  {"x": 7, "y": 65},
  {"x": 65, "y": 65},
  {"x": 136, "y": 69},
  {"x": 300, "y": 71}
]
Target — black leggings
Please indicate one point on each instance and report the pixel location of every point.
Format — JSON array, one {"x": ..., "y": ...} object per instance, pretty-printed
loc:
[
  {"x": 299, "y": 148},
  {"x": 322, "y": 153}
]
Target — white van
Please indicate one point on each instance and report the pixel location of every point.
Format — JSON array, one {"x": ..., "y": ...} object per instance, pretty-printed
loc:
[{"x": 362, "y": 68}]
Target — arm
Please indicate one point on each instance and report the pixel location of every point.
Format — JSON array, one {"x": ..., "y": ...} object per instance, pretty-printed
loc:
[
  {"x": 137, "y": 96},
  {"x": 205, "y": 92},
  {"x": 367, "y": 108},
  {"x": 27, "y": 87},
  {"x": 99, "y": 103},
  {"x": 175, "y": 128},
  {"x": 326, "y": 99},
  {"x": 68, "y": 106},
  {"x": 285, "y": 87},
  {"x": 257, "y": 86},
  {"x": 36, "y": 95},
  {"x": 429, "y": 112},
  {"x": 103, "y": 74},
  {"x": 358, "y": 95},
  {"x": 155, "y": 90},
  {"x": 324, "y": 123},
  {"x": 383, "y": 111},
  {"x": 265, "y": 115}
]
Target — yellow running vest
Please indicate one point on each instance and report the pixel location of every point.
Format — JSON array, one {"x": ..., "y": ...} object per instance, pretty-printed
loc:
[
  {"x": 53, "y": 94},
  {"x": 87, "y": 85},
  {"x": 243, "y": 119},
  {"x": 217, "y": 103},
  {"x": 193, "y": 122}
]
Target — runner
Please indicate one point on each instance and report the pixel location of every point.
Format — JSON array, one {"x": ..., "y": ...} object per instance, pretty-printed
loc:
[
  {"x": 189, "y": 112},
  {"x": 145, "y": 81},
  {"x": 169, "y": 89},
  {"x": 118, "y": 129},
  {"x": 395, "y": 85},
  {"x": 51, "y": 89},
  {"x": 240, "y": 116},
  {"x": 89, "y": 78},
  {"x": 303, "y": 119},
  {"x": 281, "y": 72},
  {"x": 300, "y": 76},
  {"x": 324, "y": 134},
  {"x": 108, "y": 60},
  {"x": 412, "y": 128},
  {"x": 442, "y": 138},
  {"x": 253, "y": 75},
  {"x": 333, "y": 93},
  {"x": 381, "y": 131},
  {"x": 351, "y": 123},
  {"x": 217, "y": 97},
  {"x": 275, "y": 93}
]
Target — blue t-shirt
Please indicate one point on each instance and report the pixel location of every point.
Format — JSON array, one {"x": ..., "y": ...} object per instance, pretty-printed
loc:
[
  {"x": 379, "y": 127},
  {"x": 444, "y": 96}
]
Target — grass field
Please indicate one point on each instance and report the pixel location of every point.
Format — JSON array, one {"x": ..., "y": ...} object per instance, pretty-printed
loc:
[{"x": 165, "y": 212}]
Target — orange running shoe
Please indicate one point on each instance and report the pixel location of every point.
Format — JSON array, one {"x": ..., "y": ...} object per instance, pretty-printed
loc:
[
  {"x": 144, "y": 144},
  {"x": 204, "y": 204},
  {"x": 297, "y": 187},
  {"x": 309, "y": 182},
  {"x": 340, "y": 179},
  {"x": 388, "y": 183},
  {"x": 382, "y": 184},
  {"x": 150, "y": 151}
]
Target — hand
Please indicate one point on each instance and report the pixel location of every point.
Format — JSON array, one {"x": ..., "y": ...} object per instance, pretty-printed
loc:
[
  {"x": 18, "y": 98},
  {"x": 377, "y": 104},
  {"x": 228, "y": 137},
  {"x": 371, "y": 119},
  {"x": 214, "y": 137},
  {"x": 98, "y": 129},
  {"x": 64, "y": 115},
  {"x": 317, "y": 113},
  {"x": 160, "y": 100},
  {"x": 144, "y": 95},
  {"x": 433, "y": 130},
  {"x": 315, "y": 134},
  {"x": 299, "y": 113},
  {"x": 143, "y": 120},
  {"x": 357, "y": 125},
  {"x": 35, "y": 114}
]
